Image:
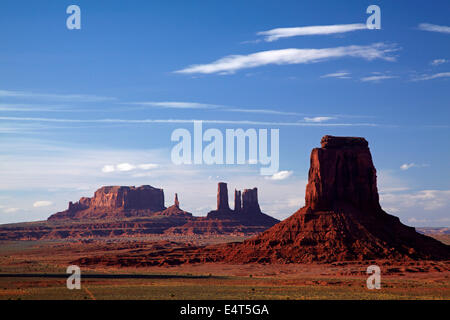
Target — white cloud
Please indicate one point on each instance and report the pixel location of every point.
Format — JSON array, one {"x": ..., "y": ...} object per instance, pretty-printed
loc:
[
  {"x": 196, "y": 105},
  {"x": 177, "y": 104},
  {"x": 427, "y": 200},
  {"x": 437, "y": 62},
  {"x": 231, "y": 64},
  {"x": 339, "y": 75},
  {"x": 278, "y": 33},
  {"x": 171, "y": 121},
  {"x": 42, "y": 203},
  {"x": 31, "y": 107},
  {"x": 318, "y": 119},
  {"x": 50, "y": 96},
  {"x": 108, "y": 168},
  {"x": 10, "y": 210},
  {"x": 281, "y": 175},
  {"x": 434, "y": 28},
  {"x": 415, "y": 220},
  {"x": 148, "y": 166},
  {"x": 377, "y": 78},
  {"x": 433, "y": 76},
  {"x": 125, "y": 167},
  {"x": 407, "y": 166}
]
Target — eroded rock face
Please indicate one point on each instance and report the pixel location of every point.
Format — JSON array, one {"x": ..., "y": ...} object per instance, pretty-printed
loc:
[
  {"x": 237, "y": 201},
  {"x": 250, "y": 201},
  {"x": 222, "y": 197},
  {"x": 115, "y": 201},
  {"x": 342, "y": 218},
  {"x": 342, "y": 173}
]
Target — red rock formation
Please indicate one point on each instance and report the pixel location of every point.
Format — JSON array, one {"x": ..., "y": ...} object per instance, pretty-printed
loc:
[
  {"x": 342, "y": 218},
  {"x": 115, "y": 201},
  {"x": 342, "y": 172},
  {"x": 176, "y": 202},
  {"x": 250, "y": 201},
  {"x": 174, "y": 210},
  {"x": 237, "y": 201},
  {"x": 249, "y": 214},
  {"x": 222, "y": 197}
]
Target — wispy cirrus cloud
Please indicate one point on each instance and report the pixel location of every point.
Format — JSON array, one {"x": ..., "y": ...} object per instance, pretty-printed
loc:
[
  {"x": 377, "y": 78},
  {"x": 125, "y": 167},
  {"x": 231, "y": 64},
  {"x": 278, "y": 33},
  {"x": 437, "y": 62},
  {"x": 434, "y": 28},
  {"x": 172, "y": 121},
  {"x": 339, "y": 75},
  {"x": 51, "y": 96},
  {"x": 432, "y": 76},
  {"x": 407, "y": 166},
  {"x": 207, "y": 106},
  {"x": 318, "y": 119},
  {"x": 14, "y": 107}
]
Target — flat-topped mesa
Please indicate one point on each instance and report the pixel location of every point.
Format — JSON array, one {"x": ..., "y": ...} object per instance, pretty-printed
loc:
[
  {"x": 143, "y": 197},
  {"x": 343, "y": 142},
  {"x": 222, "y": 197},
  {"x": 342, "y": 173},
  {"x": 112, "y": 201}
]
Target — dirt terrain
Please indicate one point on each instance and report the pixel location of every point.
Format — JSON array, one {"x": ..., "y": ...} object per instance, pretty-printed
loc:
[{"x": 339, "y": 280}]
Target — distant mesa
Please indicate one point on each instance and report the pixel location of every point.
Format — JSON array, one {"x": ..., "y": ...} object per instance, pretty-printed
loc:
[
  {"x": 246, "y": 207},
  {"x": 119, "y": 202},
  {"x": 342, "y": 218},
  {"x": 121, "y": 211}
]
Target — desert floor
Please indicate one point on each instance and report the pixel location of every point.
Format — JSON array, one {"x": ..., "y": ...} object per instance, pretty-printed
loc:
[{"x": 399, "y": 280}]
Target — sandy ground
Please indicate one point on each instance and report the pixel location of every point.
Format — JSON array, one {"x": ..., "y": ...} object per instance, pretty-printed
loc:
[{"x": 344, "y": 280}]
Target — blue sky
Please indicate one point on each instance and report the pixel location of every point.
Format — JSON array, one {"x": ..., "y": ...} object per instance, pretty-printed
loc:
[{"x": 214, "y": 60}]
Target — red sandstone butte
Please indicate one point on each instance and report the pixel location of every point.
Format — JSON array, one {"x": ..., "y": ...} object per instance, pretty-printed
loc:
[
  {"x": 115, "y": 202},
  {"x": 342, "y": 218}
]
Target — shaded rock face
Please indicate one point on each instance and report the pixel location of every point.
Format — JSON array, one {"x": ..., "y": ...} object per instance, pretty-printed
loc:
[
  {"x": 237, "y": 201},
  {"x": 222, "y": 197},
  {"x": 246, "y": 207},
  {"x": 250, "y": 201},
  {"x": 114, "y": 201},
  {"x": 342, "y": 173},
  {"x": 342, "y": 218}
]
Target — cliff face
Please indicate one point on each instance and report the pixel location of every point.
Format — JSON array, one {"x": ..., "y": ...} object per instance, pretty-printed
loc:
[
  {"x": 115, "y": 201},
  {"x": 342, "y": 218},
  {"x": 342, "y": 173}
]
